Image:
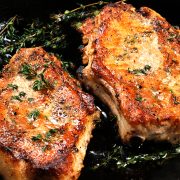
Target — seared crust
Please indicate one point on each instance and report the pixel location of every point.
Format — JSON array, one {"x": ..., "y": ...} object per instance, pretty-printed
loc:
[
  {"x": 54, "y": 139},
  {"x": 134, "y": 58}
]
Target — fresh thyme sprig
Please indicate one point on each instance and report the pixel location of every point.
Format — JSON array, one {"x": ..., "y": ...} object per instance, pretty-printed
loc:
[
  {"x": 9, "y": 23},
  {"x": 72, "y": 13},
  {"x": 116, "y": 158}
]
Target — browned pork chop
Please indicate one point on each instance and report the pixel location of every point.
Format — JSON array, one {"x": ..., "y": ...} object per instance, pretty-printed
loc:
[
  {"x": 46, "y": 120},
  {"x": 134, "y": 67}
]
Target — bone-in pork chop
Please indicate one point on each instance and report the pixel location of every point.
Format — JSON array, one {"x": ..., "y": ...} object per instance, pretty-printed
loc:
[
  {"x": 134, "y": 67},
  {"x": 46, "y": 119}
]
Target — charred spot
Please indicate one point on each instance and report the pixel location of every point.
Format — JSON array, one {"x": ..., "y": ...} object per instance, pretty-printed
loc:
[
  {"x": 18, "y": 58},
  {"x": 15, "y": 113},
  {"x": 95, "y": 51},
  {"x": 112, "y": 5},
  {"x": 61, "y": 151},
  {"x": 144, "y": 13},
  {"x": 76, "y": 136},
  {"x": 96, "y": 41},
  {"x": 75, "y": 149},
  {"x": 62, "y": 101},
  {"x": 7, "y": 149},
  {"x": 158, "y": 25},
  {"x": 174, "y": 62},
  {"x": 175, "y": 100},
  {"x": 61, "y": 130},
  {"x": 139, "y": 86},
  {"x": 80, "y": 127}
]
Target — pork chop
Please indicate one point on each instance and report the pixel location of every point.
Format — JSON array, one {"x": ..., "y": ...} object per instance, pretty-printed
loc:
[
  {"x": 46, "y": 119},
  {"x": 134, "y": 67}
]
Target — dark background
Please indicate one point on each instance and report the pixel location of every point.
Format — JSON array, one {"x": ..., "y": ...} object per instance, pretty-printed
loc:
[
  {"x": 28, "y": 8},
  {"x": 42, "y": 8}
]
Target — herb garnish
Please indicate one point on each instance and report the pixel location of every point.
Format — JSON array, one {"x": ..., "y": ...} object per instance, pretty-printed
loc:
[
  {"x": 37, "y": 137},
  {"x": 28, "y": 71},
  {"x": 116, "y": 159},
  {"x": 30, "y": 99},
  {"x": 38, "y": 85},
  {"x": 50, "y": 133},
  {"x": 13, "y": 86},
  {"x": 171, "y": 36},
  {"x": 22, "y": 94},
  {"x": 176, "y": 102},
  {"x": 140, "y": 71},
  {"x": 46, "y": 137},
  {"x": 34, "y": 114},
  {"x": 41, "y": 83},
  {"x": 44, "y": 148},
  {"x": 139, "y": 98},
  {"x": 16, "y": 98}
]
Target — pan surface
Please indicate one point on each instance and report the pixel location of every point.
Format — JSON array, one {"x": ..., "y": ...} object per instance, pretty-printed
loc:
[{"x": 29, "y": 9}]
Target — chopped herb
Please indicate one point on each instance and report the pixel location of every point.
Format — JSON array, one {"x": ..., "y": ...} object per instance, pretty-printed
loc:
[
  {"x": 44, "y": 148},
  {"x": 171, "y": 36},
  {"x": 47, "y": 84},
  {"x": 139, "y": 98},
  {"x": 147, "y": 33},
  {"x": 34, "y": 114},
  {"x": 42, "y": 83},
  {"x": 13, "y": 86},
  {"x": 131, "y": 39},
  {"x": 50, "y": 133},
  {"x": 30, "y": 99},
  {"x": 175, "y": 100},
  {"x": 46, "y": 65},
  {"x": 22, "y": 94},
  {"x": 134, "y": 50},
  {"x": 36, "y": 138},
  {"x": 38, "y": 85},
  {"x": 46, "y": 117},
  {"x": 147, "y": 67},
  {"x": 28, "y": 71},
  {"x": 140, "y": 71},
  {"x": 16, "y": 98},
  {"x": 171, "y": 91}
]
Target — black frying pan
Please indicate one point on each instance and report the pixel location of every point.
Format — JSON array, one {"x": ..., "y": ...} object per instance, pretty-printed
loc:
[{"x": 29, "y": 9}]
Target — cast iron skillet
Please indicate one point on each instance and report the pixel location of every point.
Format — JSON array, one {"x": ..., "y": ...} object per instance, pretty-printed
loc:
[{"x": 29, "y": 9}]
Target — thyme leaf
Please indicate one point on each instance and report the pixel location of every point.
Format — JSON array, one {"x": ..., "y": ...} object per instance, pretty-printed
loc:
[
  {"x": 42, "y": 83},
  {"x": 140, "y": 71},
  {"x": 28, "y": 71},
  {"x": 37, "y": 137},
  {"x": 34, "y": 114},
  {"x": 139, "y": 98},
  {"x": 22, "y": 94},
  {"x": 13, "y": 86},
  {"x": 50, "y": 133},
  {"x": 16, "y": 98}
]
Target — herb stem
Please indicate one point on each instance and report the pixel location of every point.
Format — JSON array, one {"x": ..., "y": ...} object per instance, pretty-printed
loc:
[
  {"x": 8, "y": 23},
  {"x": 88, "y": 5},
  {"x": 81, "y": 7}
]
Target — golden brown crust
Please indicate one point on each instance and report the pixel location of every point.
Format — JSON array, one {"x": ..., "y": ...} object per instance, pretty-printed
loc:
[
  {"x": 137, "y": 54},
  {"x": 46, "y": 130}
]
